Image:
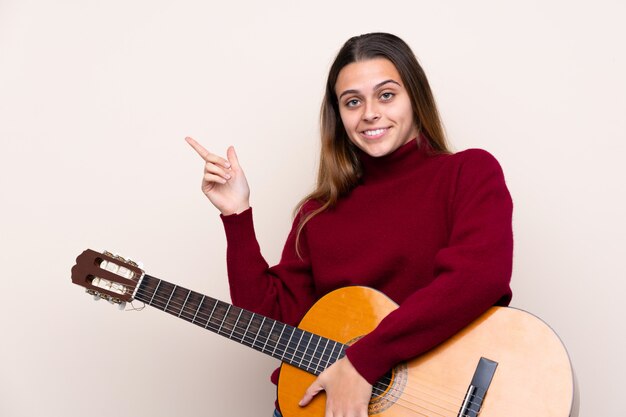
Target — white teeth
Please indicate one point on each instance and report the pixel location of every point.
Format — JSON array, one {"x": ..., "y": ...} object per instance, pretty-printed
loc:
[{"x": 374, "y": 132}]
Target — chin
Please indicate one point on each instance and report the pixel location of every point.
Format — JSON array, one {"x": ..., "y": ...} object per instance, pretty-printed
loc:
[
  {"x": 380, "y": 148},
  {"x": 376, "y": 151}
]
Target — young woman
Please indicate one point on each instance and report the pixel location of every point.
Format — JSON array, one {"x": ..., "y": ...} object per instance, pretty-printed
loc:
[{"x": 393, "y": 209}]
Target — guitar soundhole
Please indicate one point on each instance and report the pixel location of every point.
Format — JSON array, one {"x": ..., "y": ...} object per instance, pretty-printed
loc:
[{"x": 388, "y": 389}]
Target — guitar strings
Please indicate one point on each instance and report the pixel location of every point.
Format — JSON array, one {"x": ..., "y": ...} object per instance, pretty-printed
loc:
[
  {"x": 199, "y": 315},
  {"x": 173, "y": 302}
]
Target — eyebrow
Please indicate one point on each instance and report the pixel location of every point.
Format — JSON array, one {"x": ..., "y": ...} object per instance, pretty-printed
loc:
[{"x": 376, "y": 87}]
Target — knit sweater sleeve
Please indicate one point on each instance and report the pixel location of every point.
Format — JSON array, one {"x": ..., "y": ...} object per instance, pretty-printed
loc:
[
  {"x": 471, "y": 273},
  {"x": 283, "y": 292}
]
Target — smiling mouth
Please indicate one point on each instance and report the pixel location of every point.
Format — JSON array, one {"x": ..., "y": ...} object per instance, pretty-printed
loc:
[{"x": 375, "y": 132}]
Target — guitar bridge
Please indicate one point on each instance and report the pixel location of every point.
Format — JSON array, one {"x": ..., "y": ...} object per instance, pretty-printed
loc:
[{"x": 477, "y": 390}]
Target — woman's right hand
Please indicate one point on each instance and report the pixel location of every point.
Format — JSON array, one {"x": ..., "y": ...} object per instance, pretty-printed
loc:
[{"x": 224, "y": 182}]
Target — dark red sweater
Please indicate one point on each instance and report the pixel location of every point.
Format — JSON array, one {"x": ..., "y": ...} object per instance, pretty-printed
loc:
[{"x": 432, "y": 232}]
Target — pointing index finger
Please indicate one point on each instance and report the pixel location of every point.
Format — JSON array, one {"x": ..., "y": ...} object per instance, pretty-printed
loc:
[
  {"x": 197, "y": 147},
  {"x": 205, "y": 154}
]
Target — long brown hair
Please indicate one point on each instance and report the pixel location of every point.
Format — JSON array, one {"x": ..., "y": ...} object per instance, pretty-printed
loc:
[{"x": 339, "y": 167}]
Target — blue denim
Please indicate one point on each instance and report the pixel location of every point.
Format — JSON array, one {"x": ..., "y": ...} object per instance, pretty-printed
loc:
[{"x": 277, "y": 414}]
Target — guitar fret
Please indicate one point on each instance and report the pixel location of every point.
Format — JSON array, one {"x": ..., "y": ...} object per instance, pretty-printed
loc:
[
  {"x": 245, "y": 332},
  {"x": 274, "y": 337},
  {"x": 143, "y": 291},
  {"x": 339, "y": 352},
  {"x": 295, "y": 350},
  {"x": 155, "y": 291},
  {"x": 184, "y": 303},
  {"x": 287, "y": 345},
  {"x": 342, "y": 351},
  {"x": 170, "y": 298},
  {"x": 304, "y": 353},
  {"x": 224, "y": 318},
  {"x": 230, "y": 320},
  {"x": 310, "y": 352},
  {"x": 245, "y": 326},
  {"x": 163, "y": 294},
  {"x": 208, "y": 320},
  {"x": 268, "y": 336},
  {"x": 193, "y": 320},
  {"x": 235, "y": 325},
  {"x": 280, "y": 337},
  {"x": 321, "y": 357},
  {"x": 258, "y": 331},
  {"x": 255, "y": 325},
  {"x": 331, "y": 354},
  {"x": 319, "y": 339},
  {"x": 266, "y": 332},
  {"x": 179, "y": 301}
]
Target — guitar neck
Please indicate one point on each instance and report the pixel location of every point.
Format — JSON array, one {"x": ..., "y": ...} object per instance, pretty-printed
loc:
[{"x": 307, "y": 351}]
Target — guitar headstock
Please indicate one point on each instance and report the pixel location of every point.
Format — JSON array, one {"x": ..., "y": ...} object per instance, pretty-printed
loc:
[{"x": 107, "y": 276}]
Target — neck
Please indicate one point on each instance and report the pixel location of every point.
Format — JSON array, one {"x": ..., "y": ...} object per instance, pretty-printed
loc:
[
  {"x": 302, "y": 349},
  {"x": 396, "y": 163}
]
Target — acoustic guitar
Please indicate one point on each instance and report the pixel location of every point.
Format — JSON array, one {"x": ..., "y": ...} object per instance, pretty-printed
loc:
[{"x": 507, "y": 363}]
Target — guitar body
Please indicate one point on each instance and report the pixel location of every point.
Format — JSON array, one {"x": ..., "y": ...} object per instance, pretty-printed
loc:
[{"x": 534, "y": 376}]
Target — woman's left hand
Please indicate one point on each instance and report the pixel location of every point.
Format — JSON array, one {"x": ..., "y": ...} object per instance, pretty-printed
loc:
[{"x": 347, "y": 392}]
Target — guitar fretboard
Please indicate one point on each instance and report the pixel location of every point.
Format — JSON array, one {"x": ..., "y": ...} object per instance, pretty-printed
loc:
[{"x": 307, "y": 351}]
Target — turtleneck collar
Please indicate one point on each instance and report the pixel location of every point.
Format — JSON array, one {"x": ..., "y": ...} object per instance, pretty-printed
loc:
[{"x": 400, "y": 161}]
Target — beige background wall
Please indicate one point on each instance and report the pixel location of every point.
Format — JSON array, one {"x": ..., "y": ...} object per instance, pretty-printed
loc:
[{"x": 96, "y": 98}]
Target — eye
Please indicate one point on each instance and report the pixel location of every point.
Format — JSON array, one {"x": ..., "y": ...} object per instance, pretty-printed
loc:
[
  {"x": 387, "y": 96},
  {"x": 352, "y": 103}
]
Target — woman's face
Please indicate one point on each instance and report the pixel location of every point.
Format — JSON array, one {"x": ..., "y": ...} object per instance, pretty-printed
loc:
[{"x": 374, "y": 106}]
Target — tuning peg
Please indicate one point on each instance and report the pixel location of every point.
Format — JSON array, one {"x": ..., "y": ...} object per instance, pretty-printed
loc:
[
  {"x": 95, "y": 294},
  {"x": 138, "y": 264},
  {"x": 121, "y": 305}
]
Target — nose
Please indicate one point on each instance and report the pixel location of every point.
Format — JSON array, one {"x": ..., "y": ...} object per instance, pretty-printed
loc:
[{"x": 371, "y": 113}]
